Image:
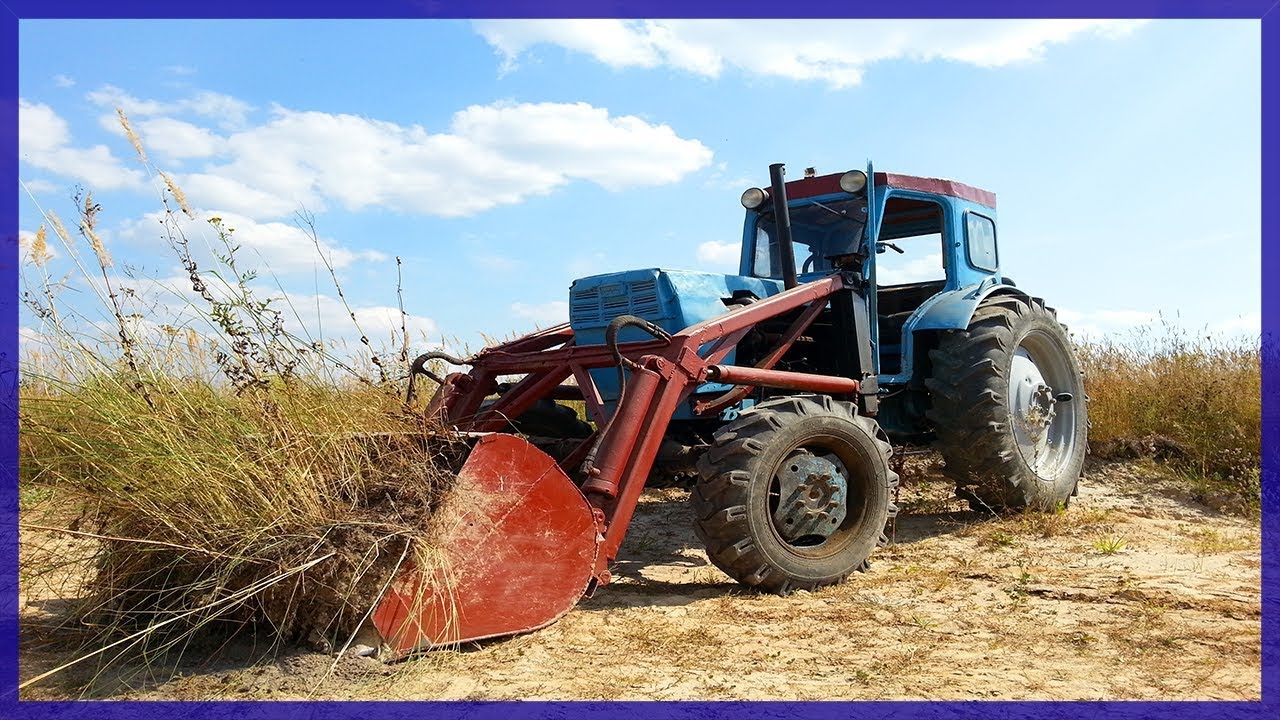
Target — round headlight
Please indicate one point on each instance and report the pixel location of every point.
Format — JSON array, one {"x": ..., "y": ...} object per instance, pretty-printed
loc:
[
  {"x": 853, "y": 182},
  {"x": 754, "y": 198}
]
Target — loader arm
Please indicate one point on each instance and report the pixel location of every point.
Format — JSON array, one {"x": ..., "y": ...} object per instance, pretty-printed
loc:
[
  {"x": 567, "y": 536},
  {"x": 664, "y": 372}
]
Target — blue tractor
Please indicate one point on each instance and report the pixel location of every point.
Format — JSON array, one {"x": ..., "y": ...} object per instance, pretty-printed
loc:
[
  {"x": 867, "y": 307},
  {"x": 961, "y": 358}
]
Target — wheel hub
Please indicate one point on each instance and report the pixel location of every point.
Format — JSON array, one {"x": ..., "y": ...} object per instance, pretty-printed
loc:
[
  {"x": 1032, "y": 400},
  {"x": 811, "y": 496}
]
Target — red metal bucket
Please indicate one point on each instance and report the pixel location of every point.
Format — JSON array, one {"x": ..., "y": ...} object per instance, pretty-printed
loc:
[{"x": 515, "y": 546}]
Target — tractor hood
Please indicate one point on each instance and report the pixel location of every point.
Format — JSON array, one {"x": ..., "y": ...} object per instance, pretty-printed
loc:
[{"x": 673, "y": 299}]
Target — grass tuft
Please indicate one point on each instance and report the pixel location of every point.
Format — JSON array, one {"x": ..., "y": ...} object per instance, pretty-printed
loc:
[{"x": 1109, "y": 544}]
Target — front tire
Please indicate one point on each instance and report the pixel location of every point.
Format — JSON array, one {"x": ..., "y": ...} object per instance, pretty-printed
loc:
[
  {"x": 1010, "y": 437},
  {"x": 795, "y": 494}
]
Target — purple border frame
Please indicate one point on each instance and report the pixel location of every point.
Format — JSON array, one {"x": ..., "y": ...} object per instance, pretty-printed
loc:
[{"x": 12, "y": 11}]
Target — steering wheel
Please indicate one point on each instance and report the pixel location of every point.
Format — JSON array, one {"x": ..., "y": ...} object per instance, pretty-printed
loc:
[{"x": 808, "y": 264}]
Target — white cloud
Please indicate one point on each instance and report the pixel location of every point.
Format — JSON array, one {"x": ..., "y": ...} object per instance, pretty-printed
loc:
[
  {"x": 542, "y": 314},
  {"x": 713, "y": 252},
  {"x": 489, "y": 155},
  {"x": 496, "y": 263},
  {"x": 919, "y": 269},
  {"x": 720, "y": 179},
  {"x": 492, "y": 155},
  {"x": 180, "y": 70},
  {"x": 110, "y": 96},
  {"x": 1246, "y": 324},
  {"x": 176, "y": 139},
  {"x": 276, "y": 246},
  {"x": 170, "y": 139},
  {"x": 581, "y": 266},
  {"x": 39, "y": 186},
  {"x": 227, "y": 111},
  {"x": 618, "y": 43},
  {"x": 1099, "y": 324},
  {"x": 313, "y": 317},
  {"x": 40, "y": 129},
  {"x": 219, "y": 191},
  {"x": 325, "y": 317},
  {"x": 582, "y": 141},
  {"x": 44, "y": 141},
  {"x": 63, "y": 81},
  {"x": 31, "y": 340},
  {"x": 832, "y": 51},
  {"x": 1154, "y": 328}
]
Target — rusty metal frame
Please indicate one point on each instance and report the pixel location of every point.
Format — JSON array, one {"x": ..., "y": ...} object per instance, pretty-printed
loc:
[{"x": 663, "y": 373}]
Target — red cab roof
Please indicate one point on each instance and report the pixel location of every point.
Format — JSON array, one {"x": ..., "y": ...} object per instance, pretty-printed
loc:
[{"x": 828, "y": 184}]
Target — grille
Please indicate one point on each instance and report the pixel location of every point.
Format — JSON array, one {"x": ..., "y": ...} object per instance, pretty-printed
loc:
[{"x": 605, "y": 302}]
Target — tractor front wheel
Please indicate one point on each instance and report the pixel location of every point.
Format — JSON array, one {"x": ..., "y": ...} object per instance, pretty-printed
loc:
[
  {"x": 1008, "y": 407},
  {"x": 794, "y": 494}
]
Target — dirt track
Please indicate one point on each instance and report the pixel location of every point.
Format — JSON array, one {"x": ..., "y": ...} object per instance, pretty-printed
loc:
[{"x": 1131, "y": 593}]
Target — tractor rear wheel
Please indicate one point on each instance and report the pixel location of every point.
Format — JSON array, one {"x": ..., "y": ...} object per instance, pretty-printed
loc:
[
  {"x": 795, "y": 494},
  {"x": 1008, "y": 407}
]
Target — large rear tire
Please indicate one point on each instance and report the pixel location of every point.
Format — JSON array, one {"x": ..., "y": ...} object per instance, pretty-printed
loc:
[
  {"x": 1010, "y": 436},
  {"x": 795, "y": 494}
]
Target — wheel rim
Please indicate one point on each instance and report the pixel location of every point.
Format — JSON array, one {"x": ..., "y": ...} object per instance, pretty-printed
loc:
[
  {"x": 1044, "y": 427},
  {"x": 815, "y": 504}
]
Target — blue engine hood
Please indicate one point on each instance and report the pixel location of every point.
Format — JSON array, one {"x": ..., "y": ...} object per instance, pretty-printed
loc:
[{"x": 672, "y": 299}]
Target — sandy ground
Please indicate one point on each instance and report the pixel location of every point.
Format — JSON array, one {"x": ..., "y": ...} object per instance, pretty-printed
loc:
[{"x": 1131, "y": 593}]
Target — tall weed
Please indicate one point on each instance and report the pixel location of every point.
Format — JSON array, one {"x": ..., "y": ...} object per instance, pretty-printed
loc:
[{"x": 224, "y": 470}]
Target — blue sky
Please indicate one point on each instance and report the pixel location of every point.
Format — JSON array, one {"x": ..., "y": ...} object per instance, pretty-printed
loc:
[{"x": 502, "y": 159}]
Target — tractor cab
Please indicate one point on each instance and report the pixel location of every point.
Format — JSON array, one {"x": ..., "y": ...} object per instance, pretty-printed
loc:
[{"x": 916, "y": 241}]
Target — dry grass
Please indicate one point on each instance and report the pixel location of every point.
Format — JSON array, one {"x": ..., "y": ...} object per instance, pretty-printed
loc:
[
  {"x": 1193, "y": 400},
  {"x": 1208, "y": 541},
  {"x": 207, "y": 492},
  {"x": 213, "y": 470}
]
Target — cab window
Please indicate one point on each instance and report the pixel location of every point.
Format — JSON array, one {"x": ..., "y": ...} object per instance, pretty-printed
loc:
[
  {"x": 980, "y": 233},
  {"x": 910, "y": 248},
  {"x": 818, "y": 232}
]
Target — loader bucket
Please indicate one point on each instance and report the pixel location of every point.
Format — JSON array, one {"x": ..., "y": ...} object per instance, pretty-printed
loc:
[{"x": 516, "y": 546}]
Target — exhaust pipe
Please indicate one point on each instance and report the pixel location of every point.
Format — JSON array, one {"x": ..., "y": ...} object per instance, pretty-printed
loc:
[{"x": 782, "y": 216}]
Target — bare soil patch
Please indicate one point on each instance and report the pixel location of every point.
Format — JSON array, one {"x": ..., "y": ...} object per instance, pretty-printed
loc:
[{"x": 1134, "y": 592}]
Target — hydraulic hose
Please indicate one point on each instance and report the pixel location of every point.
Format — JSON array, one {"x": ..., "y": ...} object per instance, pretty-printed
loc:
[
  {"x": 611, "y": 341},
  {"x": 419, "y": 367}
]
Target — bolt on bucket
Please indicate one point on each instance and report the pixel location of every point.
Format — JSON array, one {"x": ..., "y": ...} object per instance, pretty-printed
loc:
[{"x": 515, "y": 544}]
